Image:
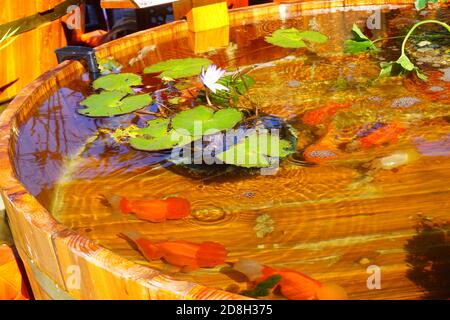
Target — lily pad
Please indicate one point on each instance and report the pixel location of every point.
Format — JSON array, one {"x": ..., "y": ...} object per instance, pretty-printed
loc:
[
  {"x": 186, "y": 121},
  {"x": 154, "y": 137},
  {"x": 113, "y": 103},
  {"x": 256, "y": 150},
  {"x": 179, "y": 68},
  {"x": 359, "y": 43},
  {"x": 294, "y": 38},
  {"x": 118, "y": 82}
]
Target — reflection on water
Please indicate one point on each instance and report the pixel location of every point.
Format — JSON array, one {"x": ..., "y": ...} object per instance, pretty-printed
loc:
[
  {"x": 429, "y": 258},
  {"x": 325, "y": 216}
]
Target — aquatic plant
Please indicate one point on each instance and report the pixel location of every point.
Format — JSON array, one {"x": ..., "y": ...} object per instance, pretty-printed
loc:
[
  {"x": 210, "y": 79},
  {"x": 108, "y": 65},
  {"x": 118, "y": 82},
  {"x": 422, "y": 4},
  {"x": 294, "y": 38},
  {"x": 403, "y": 65},
  {"x": 360, "y": 42},
  {"x": 113, "y": 103},
  {"x": 238, "y": 85},
  {"x": 211, "y": 76},
  {"x": 258, "y": 149},
  {"x": 178, "y": 68},
  {"x": 184, "y": 127}
]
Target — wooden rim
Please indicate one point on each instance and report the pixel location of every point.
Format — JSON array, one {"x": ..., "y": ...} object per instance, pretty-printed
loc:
[{"x": 51, "y": 236}]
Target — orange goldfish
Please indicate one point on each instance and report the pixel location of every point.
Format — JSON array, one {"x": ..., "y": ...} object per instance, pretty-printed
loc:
[
  {"x": 324, "y": 114},
  {"x": 158, "y": 210},
  {"x": 184, "y": 254},
  {"x": 293, "y": 285},
  {"x": 386, "y": 134}
]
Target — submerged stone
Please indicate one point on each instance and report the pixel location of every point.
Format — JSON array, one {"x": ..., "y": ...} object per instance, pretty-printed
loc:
[{"x": 405, "y": 102}]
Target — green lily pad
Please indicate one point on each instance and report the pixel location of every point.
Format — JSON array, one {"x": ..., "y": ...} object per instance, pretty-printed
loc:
[
  {"x": 359, "y": 43},
  {"x": 156, "y": 136},
  {"x": 186, "y": 121},
  {"x": 179, "y": 68},
  {"x": 255, "y": 150},
  {"x": 118, "y": 82},
  {"x": 313, "y": 36},
  {"x": 294, "y": 38},
  {"x": 154, "y": 143},
  {"x": 113, "y": 103}
]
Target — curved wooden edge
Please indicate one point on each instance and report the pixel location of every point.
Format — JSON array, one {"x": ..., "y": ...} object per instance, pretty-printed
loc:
[{"x": 67, "y": 258}]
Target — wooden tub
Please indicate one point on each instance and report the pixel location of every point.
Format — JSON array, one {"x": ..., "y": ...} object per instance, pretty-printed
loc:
[{"x": 63, "y": 264}]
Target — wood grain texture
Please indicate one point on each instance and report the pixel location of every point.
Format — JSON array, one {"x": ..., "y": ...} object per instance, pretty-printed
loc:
[
  {"x": 106, "y": 275},
  {"x": 31, "y": 53}
]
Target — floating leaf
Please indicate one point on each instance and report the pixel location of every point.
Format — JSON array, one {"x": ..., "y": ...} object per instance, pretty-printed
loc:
[
  {"x": 179, "y": 68},
  {"x": 113, "y": 103},
  {"x": 263, "y": 288},
  {"x": 192, "y": 119},
  {"x": 293, "y": 38},
  {"x": 359, "y": 43},
  {"x": 313, "y": 36},
  {"x": 154, "y": 137},
  {"x": 118, "y": 82},
  {"x": 255, "y": 150},
  {"x": 153, "y": 143}
]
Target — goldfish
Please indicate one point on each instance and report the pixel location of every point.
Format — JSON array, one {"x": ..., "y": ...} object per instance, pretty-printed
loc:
[
  {"x": 324, "y": 114},
  {"x": 180, "y": 253},
  {"x": 385, "y": 134},
  {"x": 293, "y": 285},
  {"x": 12, "y": 285},
  {"x": 158, "y": 210}
]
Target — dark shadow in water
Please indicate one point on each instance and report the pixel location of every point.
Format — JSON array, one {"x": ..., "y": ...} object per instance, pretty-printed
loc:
[{"x": 429, "y": 258}]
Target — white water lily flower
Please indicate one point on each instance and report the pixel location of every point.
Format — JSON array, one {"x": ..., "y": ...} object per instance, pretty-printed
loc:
[{"x": 211, "y": 76}]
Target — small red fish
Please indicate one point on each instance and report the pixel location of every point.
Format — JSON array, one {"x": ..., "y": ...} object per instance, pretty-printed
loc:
[
  {"x": 293, "y": 285},
  {"x": 324, "y": 114},
  {"x": 386, "y": 134},
  {"x": 158, "y": 210},
  {"x": 180, "y": 253}
]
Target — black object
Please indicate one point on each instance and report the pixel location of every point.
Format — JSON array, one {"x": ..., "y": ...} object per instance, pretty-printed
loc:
[{"x": 81, "y": 54}]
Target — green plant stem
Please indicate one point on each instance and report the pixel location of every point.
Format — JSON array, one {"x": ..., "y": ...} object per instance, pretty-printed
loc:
[{"x": 446, "y": 26}]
